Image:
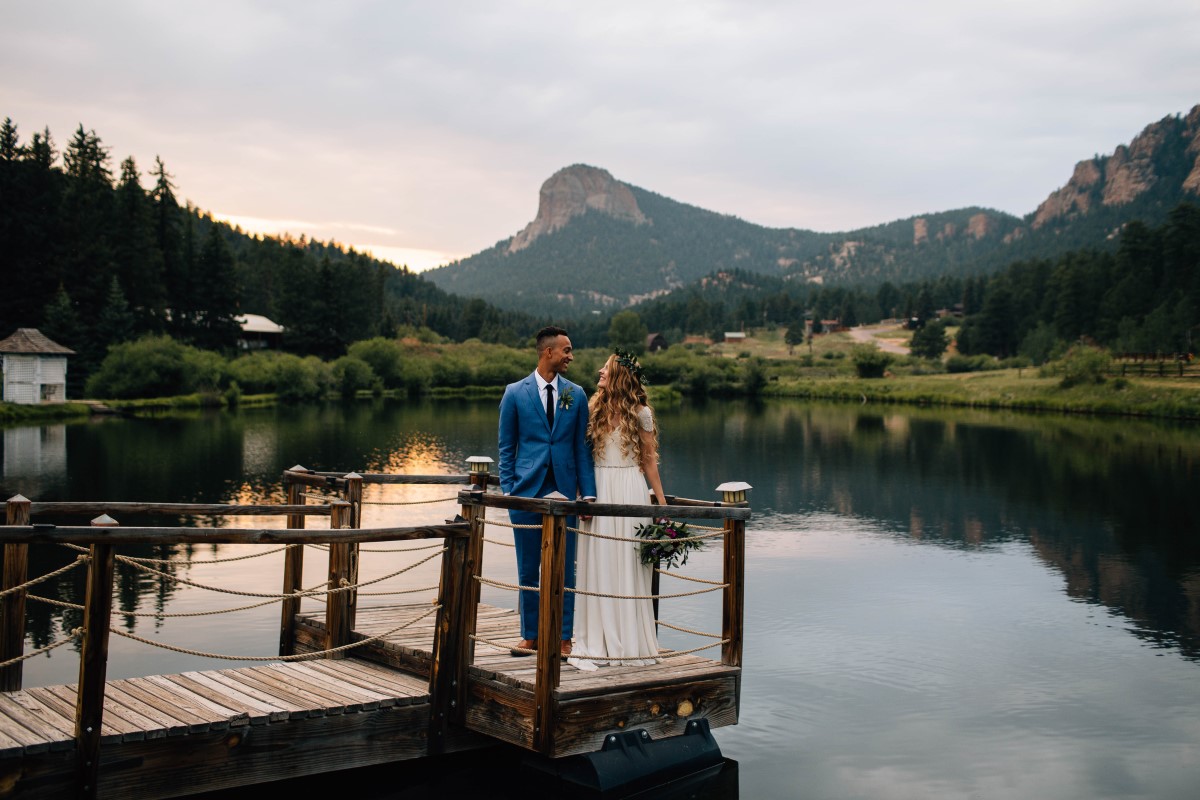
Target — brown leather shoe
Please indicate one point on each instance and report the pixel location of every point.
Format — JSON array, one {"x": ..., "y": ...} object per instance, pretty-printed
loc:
[
  {"x": 524, "y": 644},
  {"x": 565, "y": 649}
]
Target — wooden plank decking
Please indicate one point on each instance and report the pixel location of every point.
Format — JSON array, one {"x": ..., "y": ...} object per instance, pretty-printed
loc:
[
  {"x": 171, "y": 735},
  {"x": 659, "y": 698}
]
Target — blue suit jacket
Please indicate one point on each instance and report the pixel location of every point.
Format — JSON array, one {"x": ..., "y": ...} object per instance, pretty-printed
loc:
[{"x": 528, "y": 446}]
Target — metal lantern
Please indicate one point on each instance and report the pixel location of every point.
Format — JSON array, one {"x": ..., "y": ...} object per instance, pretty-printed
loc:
[
  {"x": 479, "y": 465},
  {"x": 734, "y": 491}
]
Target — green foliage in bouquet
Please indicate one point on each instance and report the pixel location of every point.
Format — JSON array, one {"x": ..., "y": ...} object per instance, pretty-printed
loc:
[{"x": 667, "y": 542}]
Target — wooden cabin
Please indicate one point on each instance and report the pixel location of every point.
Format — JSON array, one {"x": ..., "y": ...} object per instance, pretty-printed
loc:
[{"x": 35, "y": 368}]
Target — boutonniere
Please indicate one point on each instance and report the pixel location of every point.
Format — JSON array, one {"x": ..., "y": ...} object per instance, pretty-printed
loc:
[{"x": 566, "y": 398}]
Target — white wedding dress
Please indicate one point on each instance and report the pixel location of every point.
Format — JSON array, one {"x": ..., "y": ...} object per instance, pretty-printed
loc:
[{"x": 607, "y": 626}]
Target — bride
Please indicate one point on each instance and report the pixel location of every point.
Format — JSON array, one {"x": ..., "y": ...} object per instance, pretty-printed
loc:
[{"x": 624, "y": 442}]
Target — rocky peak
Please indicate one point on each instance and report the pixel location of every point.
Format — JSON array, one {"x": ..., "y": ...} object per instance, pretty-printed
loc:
[
  {"x": 1130, "y": 171},
  {"x": 573, "y": 191}
]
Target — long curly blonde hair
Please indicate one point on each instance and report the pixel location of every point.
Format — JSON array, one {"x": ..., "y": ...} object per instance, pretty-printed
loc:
[{"x": 615, "y": 406}]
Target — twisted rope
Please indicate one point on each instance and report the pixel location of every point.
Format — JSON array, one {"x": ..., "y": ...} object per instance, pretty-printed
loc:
[
  {"x": 400, "y": 591},
  {"x": 661, "y": 656},
  {"x": 518, "y": 588},
  {"x": 163, "y": 614},
  {"x": 78, "y": 560},
  {"x": 407, "y": 502},
  {"x": 190, "y": 561},
  {"x": 325, "y": 547},
  {"x": 305, "y": 593},
  {"x": 639, "y": 540},
  {"x": 688, "y": 578},
  {"x": 508, "y": 524},
  {"x": 688, "y": 630},
  {"x": 497, "y": 541},
  {"x": 75, "y": 634},
  {"x": 645, "y": 596},
  {"x": 299, "y": 657}
]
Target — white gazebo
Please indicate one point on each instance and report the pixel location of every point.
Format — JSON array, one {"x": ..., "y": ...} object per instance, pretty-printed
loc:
[{"x": 35, "y": 368}]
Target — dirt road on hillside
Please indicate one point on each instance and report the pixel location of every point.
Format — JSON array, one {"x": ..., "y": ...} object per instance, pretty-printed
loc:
[{"x": 872, "y": 333}]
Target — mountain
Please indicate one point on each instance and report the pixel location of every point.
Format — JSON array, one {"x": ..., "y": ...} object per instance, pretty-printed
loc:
[{"x": 601, "y": 244}]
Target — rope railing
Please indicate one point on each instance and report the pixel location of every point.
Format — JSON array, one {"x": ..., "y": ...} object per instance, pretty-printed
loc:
[
  {"x": 407, "y": 502},
  {"x": 519, "y": 588},
  {"x": 43, "y": 578},
  {"x": 297, "y": 657},
  {"x": 306, "y": 593},
  {"x": 661, "y": 655},
  {"x": 594, "y": 535},
  {"x": 190, "y": 561},
  {"x": 75, "y": 634}
]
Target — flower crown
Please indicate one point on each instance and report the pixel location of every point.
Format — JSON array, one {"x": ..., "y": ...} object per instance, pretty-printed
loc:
[{"x": 629, "y": 361}]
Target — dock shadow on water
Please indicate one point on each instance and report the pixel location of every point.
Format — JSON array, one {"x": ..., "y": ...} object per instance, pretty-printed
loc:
[
  {"x": 497, "y": 773},
  {"x": 939, "y": 603}
]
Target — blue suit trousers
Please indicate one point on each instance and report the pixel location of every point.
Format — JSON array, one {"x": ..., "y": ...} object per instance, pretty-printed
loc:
[{"x": 529, "y": 565}]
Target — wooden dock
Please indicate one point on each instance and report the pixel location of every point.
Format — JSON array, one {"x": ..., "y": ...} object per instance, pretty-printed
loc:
[
  {"x": 360, "y": 686},
  {"x": 172, "y": 735}
]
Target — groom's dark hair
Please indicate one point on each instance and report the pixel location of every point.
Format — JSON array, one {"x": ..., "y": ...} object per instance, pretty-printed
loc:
[{"x": 546, "y": 334}]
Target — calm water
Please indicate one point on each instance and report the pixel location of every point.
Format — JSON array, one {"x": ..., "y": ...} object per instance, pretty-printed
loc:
[{"x": 939, "y": 604}]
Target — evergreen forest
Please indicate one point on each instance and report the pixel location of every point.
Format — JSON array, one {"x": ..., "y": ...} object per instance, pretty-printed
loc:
[{"x": 92, "y": 257}]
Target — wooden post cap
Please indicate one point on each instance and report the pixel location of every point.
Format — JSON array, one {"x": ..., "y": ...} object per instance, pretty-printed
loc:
[{"x": 734, "y": 491}]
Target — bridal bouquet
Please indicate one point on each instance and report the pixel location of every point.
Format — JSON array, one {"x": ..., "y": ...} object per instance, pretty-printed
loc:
[{"x": 666, "y": 541}]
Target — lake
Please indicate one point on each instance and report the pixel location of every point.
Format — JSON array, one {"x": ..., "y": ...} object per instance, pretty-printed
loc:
[{"x": 938, "y": 603}]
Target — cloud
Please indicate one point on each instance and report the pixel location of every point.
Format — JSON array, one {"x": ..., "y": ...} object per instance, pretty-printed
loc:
[{"x": 438, "y": 123}]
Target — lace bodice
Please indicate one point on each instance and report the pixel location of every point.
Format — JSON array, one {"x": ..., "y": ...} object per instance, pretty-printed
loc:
[{"x": 610, "y": 454}]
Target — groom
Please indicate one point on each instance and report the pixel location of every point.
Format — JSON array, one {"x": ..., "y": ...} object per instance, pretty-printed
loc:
[{"x": 543, "y": 449}]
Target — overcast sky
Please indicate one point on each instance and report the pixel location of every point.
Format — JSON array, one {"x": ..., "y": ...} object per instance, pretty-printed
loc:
[{"x": 422, "y": 131}]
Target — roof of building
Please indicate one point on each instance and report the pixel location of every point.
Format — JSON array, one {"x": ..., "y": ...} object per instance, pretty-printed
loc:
[
  {"x": 32, "y": 341},
  {"x": 256, "y": 323}
]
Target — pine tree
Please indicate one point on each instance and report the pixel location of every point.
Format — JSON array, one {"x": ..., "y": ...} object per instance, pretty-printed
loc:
[
  {"x": 117, "y": 323},
  {"x": 139, "y": 261},
  {"x": 216, "y": 295},
  {"x": 10, "y": 149},
  {"x": 168, "y": 236}
]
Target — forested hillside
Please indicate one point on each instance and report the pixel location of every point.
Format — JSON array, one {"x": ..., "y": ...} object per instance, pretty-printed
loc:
[
  {"x": 1141, "y": 296},
  {"x": 92, "y": 259}
]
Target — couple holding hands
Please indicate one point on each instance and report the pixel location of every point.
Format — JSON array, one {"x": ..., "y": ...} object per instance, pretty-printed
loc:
[{"x": 553, "y": 439}]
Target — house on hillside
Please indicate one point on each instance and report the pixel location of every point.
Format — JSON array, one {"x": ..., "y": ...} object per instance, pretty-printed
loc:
[
  {"x": 258, "y": 333},
  {"x": 655, "y": 342},
  {"x": 735, "y": 336},
  {"x": 34, "y": 367},
  {"x": 832, "y": 326}
]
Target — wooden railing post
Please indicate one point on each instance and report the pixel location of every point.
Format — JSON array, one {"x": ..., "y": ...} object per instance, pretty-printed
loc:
[
  {"x": 733, "y": 576},
  {"x": 451, "y": 643},
  {"x": 16, "y": 572},
  {"x": 337, "y": 607},
  {"x": 476, "y": 515},
  {"x": 550, "y": 616},
  {"x": 293, "y": 570},
  {"x": 93, "y": 662},
  {"x": 353, "y": 494}
]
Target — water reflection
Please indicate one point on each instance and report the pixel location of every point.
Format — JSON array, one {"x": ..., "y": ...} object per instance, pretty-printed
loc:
[
  {"x": 1108, "y": 503},
  {"x": 939, "y": 603}
]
